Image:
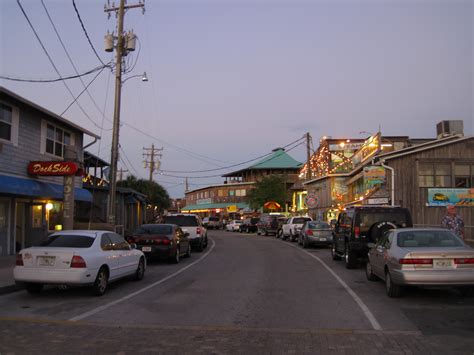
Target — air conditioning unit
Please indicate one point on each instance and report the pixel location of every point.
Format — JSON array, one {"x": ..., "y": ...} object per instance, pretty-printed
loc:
[{"x": 449, "y": 128}]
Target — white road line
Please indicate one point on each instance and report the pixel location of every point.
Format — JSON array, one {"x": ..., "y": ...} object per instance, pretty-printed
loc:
[
  {"x": 108, "y": 305},
  {"x": 375, "y": 324}
]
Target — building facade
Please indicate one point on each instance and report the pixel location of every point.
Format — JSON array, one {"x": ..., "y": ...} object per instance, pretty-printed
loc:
[{"x": 32, "y": 200}]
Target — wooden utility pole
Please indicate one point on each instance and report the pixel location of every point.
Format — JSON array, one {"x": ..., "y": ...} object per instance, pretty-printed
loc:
[
  {"x": 308, "y": 156},
  {"x": 120, "y": 49},
  {"x": 151, "y": 162}
]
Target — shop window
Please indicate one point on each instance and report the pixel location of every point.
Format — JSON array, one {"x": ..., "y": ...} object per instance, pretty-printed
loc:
[
  {"x": 220, "y": 193},
  {"x": 37, "y": 217},
  {"x": 463, "y": 175},
  {"x": 8, "y": 123},
  {"x": 240, "y": 192},
  {"x": 434, "y": 175},
  {"x": 55, "y": 140},
  {"x": 231, "y": 192}
]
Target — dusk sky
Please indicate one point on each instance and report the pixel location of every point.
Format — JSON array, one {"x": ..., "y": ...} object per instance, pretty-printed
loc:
[{"x": 231, "y": 80}]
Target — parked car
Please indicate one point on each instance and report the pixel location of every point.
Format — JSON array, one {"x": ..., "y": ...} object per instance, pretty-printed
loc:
[
  {"x": 78, "y": 258},
  {"x": 269, "y": 224},
  {"x": 192, "y": 224},
  {"x": 291, "y": 228},
  {"x": 421, "y": 257},
  {"x": 234, "y": 225},
  {"x": 249, "y": 225},
  {"x": 163, "y": 241},
  {"x": 360, "y": 225},
  {"x": 315, "y": 233},
  {"x": 212, "y": 222}
]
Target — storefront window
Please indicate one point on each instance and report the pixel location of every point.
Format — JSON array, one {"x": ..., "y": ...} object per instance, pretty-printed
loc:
[
  {"x": 463, "y": 175},
  {"x": 434, "y": 175},
  {"x": 37, "y": 216}
]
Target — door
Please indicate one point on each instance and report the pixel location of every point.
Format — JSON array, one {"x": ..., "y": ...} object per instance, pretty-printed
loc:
[
  {"x": 4, "y": 227},
  {"x": 110, "y": 255},
  {"x": 127, "y": 260}
]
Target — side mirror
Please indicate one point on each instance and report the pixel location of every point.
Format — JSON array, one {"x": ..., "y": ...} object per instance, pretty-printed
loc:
[
  {"x": 133, "y": 246},
  {"x": 370, "y": 245}
]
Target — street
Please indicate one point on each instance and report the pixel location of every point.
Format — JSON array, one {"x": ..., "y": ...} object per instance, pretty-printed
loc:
[{"x": 243, "y": 294}]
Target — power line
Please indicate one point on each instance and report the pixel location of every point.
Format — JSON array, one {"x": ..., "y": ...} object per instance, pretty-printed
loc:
[
  {"x": 56, "y": 79},
  {"x": 131, "y": 165},
  {"x": 72, "y": 63},
  {"x": 230, "y": 166},
  {"x": 85, "y": 31},
  {"x": 52, "y": 62}
]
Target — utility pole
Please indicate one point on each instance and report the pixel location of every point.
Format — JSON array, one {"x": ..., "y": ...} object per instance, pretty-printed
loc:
[
  {"x": 120, "y": 51},
  {"x": 186, "y": 184},
  {"x": 308, "y": 156},
  {"x": 153, "y": 164}
]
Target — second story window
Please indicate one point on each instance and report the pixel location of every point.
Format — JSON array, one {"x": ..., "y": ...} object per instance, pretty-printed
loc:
[
  {"x": 8, "y": 123},
  {"x": 56, "y": 140}
]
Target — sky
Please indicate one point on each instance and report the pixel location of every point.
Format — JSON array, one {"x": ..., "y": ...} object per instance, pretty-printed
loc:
[{"x": 231, "y": 80}]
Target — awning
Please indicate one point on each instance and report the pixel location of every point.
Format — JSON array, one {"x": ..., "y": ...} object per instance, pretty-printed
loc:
[{"x": 11, "y": 185}]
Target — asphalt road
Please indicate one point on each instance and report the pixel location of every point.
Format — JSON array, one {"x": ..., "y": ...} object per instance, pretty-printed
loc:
[{"x": 245, "y": 284}]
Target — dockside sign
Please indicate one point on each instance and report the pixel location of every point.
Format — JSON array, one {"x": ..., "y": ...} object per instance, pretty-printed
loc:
[{"x": 52, "y": 168}]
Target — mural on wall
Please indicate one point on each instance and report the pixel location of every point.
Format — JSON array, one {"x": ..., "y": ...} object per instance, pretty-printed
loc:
[{"x": 444, "y": 197}]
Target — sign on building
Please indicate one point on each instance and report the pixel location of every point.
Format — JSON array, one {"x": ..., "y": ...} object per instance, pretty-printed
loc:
[
  {"x": 444, "y": 197},
  {"x": 374, "y": 175}
]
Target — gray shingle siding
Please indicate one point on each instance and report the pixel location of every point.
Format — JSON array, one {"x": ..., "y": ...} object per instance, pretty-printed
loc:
[{"x": 14, "y": 159}]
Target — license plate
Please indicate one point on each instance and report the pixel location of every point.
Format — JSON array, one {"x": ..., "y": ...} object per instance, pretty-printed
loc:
[
  {"x": 322, "y": 239},
  {"x": 46, "y": 260},
  {"x": 442, "y": 263},
  {"x": 146, "y": 248}
]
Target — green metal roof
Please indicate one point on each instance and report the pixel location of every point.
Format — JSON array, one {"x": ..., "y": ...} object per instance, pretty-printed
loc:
[
  {"x": 206, "y": 206},
  {"x": 279, "y": 159}
]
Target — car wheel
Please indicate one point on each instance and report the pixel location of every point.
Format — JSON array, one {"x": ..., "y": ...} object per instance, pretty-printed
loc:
[
  {"x": 140, "y": 272},
  {"x": 393, "y": 290},
  {"x": 368, "y": 272},
  {"x": 350, "y": 258},
  {"x": 188, "y": 251},
  {"x": 175, "y": 258},
  {"x": 265, "y": 233},
  {"x": 200, "y": 247},
  {"x": 334, "y": 252},
  {"x": 33, "y": 288},
  {"x": 291, "y": 237},
  {"x": 101, "y": 282}
]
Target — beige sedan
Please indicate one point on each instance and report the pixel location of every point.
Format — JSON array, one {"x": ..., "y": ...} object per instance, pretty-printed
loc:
[{"x": 421, "y": 257}]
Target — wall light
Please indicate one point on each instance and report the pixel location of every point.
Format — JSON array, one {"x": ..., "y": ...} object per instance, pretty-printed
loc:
[{"x": 49, "y": 206}]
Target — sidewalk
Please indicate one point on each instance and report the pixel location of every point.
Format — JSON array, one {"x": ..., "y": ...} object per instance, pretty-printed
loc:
[{"x": 7, "y": 284}]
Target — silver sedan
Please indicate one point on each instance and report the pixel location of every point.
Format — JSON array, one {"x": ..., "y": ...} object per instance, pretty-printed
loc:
[{"x": 421, "y": 257}]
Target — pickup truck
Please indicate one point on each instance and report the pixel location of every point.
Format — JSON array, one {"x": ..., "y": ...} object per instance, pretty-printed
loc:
[{"x": 291, "y": 229}]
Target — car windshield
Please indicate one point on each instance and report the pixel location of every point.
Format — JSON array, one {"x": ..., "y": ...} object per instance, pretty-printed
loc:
[
  {"x": 320, "y": 225},
  {"x": 300, "y": 220},
  {"x": 423, "y": 239},
  {"x": 185, "y": 221},
  {"x": 68, "y": 241},
  {"x": 154, "y": 229}
]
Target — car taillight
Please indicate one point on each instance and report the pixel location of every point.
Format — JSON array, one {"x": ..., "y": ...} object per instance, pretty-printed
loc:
[
  {"x": 309, "y": 232},
  {"x": 78, "y": 262},
  {"x": 198, "y": 230},
  {"x": 131, "y": 240},
  {"x": 461, "y": 261},
  {"x": 415, "y": 261},
  {"x": 19, "y": 260},
  {"x": 356, "y": 232},
  {"x": 163, "y": 241}
]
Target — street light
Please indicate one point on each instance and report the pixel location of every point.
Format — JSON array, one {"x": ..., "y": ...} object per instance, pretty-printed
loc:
[{"x": 144, "y": 77}]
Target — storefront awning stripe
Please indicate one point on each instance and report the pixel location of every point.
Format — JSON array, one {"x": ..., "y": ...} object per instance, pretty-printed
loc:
[{"x": 11, "y": 185}]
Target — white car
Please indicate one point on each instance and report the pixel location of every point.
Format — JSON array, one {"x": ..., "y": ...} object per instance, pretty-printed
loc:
[
  {"x": 81, "y": 258},
  {"x": 234, "y": 225}
]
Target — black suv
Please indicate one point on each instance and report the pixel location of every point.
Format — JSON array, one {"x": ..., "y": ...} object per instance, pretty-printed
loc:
[
  {"x": 360, "y": 225},
  {"x": 249, "y": 225},
  {"x": 269, "y": 223}
]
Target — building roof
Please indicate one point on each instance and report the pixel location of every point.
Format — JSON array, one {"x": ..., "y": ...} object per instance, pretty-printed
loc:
[
  {"x": 91, "y": 161},
  {"x": 5, "y": 91},
  {"x": 278, "y": 159},
  {"x": 232, "y": 184}
]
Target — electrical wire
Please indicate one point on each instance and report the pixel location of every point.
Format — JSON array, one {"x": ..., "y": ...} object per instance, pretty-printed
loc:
[
  {"x": 229, "y": 166},
  {"x": 72, "y": 62},
  {"x": 131, "y": 165},
  {"x": 56, "y": 79},
  {"x": 54, "y": 66},
  {"x": 85, "y": 31}
]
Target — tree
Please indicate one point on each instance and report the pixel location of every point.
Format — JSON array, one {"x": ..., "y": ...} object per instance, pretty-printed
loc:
[
  {"x": 270, "y": 188},
  {"x": 156, "y": 195}
]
